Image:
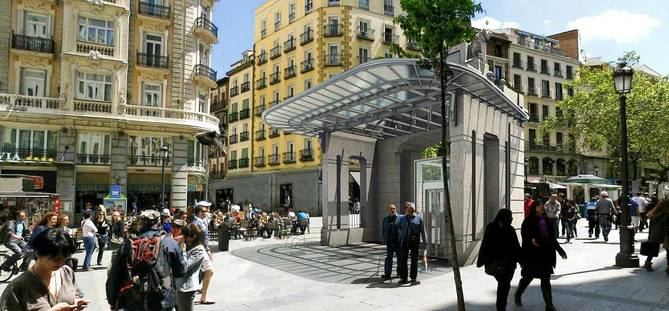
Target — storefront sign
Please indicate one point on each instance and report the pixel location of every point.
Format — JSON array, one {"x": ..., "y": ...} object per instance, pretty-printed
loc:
[
  {"x": 38, "y": 182},
  {"x": 7, "y": 156},
  {"x": 115, "y": 191}
]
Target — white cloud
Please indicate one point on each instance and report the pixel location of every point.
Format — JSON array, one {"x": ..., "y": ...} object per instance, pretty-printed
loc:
[
  {"x": 615, "y": 25},
  {"x": 491, "y": 23},
  {"x": 547, "y": 21}
]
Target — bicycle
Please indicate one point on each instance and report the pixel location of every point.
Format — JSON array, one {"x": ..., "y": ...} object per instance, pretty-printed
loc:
[{"x": 6, "y": 275}]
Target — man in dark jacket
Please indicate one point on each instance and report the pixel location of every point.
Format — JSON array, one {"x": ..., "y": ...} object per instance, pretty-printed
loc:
[
  {"x": 17, "y": 235},
  {"x": 391, "y": 240},
  {"x": 411, "y": 230}
]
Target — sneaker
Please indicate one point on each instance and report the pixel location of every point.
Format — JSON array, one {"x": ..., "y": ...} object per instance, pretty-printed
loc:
[
  {"x": 590, "y": 236},
  {"x": 385, "y": 277},
  {"x": 403, "y": 281},
  {"x": 550, "y": 308},
  {"x": 414, "y": 282}
]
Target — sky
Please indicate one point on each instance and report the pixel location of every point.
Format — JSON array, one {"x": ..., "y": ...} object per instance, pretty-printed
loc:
[{"x": 607, "y": 28}]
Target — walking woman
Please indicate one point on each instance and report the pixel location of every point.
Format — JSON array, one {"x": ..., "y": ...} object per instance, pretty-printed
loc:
[
  {"x": 188, "y": 284},
  {"x": 657, "y": 232},
  {"x": 538, "y": 254},
  {"x": 89, "y": 232},
  {"x": 64, "y": 224},
  {"x": 499, "y": 253},
  {"x": 102, "y": 225},
  {"x": 49, "y": 220},
  {"x": 117, "y": 231}
]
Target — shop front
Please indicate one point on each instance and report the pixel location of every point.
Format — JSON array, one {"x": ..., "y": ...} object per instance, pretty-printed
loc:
[
  {"x": 91, "y": 189},
  {"x": 144, "y": 190}
]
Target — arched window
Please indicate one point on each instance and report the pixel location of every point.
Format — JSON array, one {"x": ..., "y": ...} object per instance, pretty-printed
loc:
[
  {"x": 533, "y": 166},
  {"x": 547, "y": 166},
  {"x": 572, "y": 168},
  {"x": 561, "y": 167}
]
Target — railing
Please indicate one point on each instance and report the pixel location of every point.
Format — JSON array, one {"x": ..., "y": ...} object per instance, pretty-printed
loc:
[
  {"x": 531, "y": 67},
  {"x": 92, "y": 106},
  {"x": 147, "y": 160},
  {"x": 534, "y": 117},
  {"x": 273, "y": 159},
  {"x": 277, "y": 25},
  {"x": 333, "y": 59},
  {"x": 232, "y": 139},
  {"x": 232, "y": 164},
  {"x": 243, "y": 162},
  {"x": 363, "y": 59},
  {"x": 306, "y": 37},
  {"x": 307, "y": 65},
  {"x": 274, "y": 78},
  {"x": 262, "y": 58},
  {"x": 308, "y": 6},
  {"x": 557, "y": 73},
  {"x": 169, "y": 113},
  {"x": 35, "y": 44},
  {"x": 288, "y": 157},
  {"x": 30, "y": 154},
  {"x": 332, "y": 30},
  {"x": 233, "y": 116},
  {"x": 244, "y": 114},
  {"x": 549, "y": 148},
  {"x": 517, "y": 63},
  {"x": 204, "y": 23},
  {"x": 274, "y": 102},
  {"x": 570, "y": 75},
  {"x": 259, "y": 161},
  {"x": 541, "y": 47},
  {"x": 258, "y": 110},
  {"x": 260, "y": 135},
  {"x": 87, "y": 47},
  {"x": 289, "y": 45},
  {"x": 246, "y": 86},
  {"x": 32, "y": 102},
  {"x": 390, "y": 38},
  {"x": 261, "y": 83},
  {"x": 205, "y": 71},
  {"x": 152, "y": 60},
  {"x": 388, "y": 10},
  {"x": 333, "y": 2},
  {"x": 275, "y": 52},
  {"x": 544, "y": 70},
  {"x": 155, "y": 10},
  {"x": 531, "y": 91},
  {"x": 273, "y": 134},
  {"x": 306, "y": 155},
  {"x": 367, "y": 34},
  {"x": 289, "y": 72},
  {"x": 413, "y": 45},
  {"x": 234, "y": 91}
]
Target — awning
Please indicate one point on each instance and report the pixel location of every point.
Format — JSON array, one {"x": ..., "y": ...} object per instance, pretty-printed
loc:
[
  {"x": 22, "y": 194},
  {"x": 383, "y": 98},
  {"x": 555, "y": 186}
]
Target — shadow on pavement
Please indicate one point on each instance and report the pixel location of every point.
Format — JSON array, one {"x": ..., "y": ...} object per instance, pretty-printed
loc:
[{"x": 557, "y": 276}]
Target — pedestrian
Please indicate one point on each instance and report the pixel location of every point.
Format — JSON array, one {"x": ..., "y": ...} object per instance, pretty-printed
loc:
[
  {"x": 526, "y": 204},
  {"x": 117, "y": 231},
  {"x": 166, "y": 220},
  {"x": 64, "y": 224},
  {"x": 657, "y": 233},
  {"x": 89, "y": 232},
  {"x": 207, "y": 264},
  {"x": 553, "y": 209},
  {"x": 15, "y": 237},
  {"x": 391, "y": 240},
  {"x": 188, "y": 284},
  {"x": 49, "y": 220},
  {"x": 411, "y": 230},
  {"x": 593, "y": 221},
  {"x": 569, "y": 212},
  {"x": 563, "y": 218},
  {"x": 499, "y": 254},
  {"x": 538, "y": 254},
  {"x": 49, "y": 284},
  {"x": 605, "y": 212},
  {"x": 634, "y": 214},
  {"x": 641, "y": 201},
  {"x": 102, "y": 235}
]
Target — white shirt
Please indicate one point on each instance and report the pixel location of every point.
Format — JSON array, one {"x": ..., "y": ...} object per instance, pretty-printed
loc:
[
  {"x": 88, "y": 229},
  {"x": 641, "y": 202}
]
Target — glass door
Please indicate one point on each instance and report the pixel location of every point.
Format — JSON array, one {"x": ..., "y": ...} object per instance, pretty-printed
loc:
[
  {"x": 153, "y": 46},
  {"x": 32, "y": 82},
  {"x": 435, "y": 224},
  {"x": 36, "y": 25}
]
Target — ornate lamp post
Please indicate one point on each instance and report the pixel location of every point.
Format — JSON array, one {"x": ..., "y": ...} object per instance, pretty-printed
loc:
[
  {"x": 622, "y": 78},
  {"x": 164, "y": 151},
  {"x": 596, "y": 170}
]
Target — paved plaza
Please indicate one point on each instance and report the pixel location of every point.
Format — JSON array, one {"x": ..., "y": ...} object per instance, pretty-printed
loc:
[{"x": 299, "y": 274}]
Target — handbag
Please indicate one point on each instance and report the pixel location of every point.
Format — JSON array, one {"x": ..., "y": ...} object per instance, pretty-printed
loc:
[
  {"x": 496, "y": 267},
  {"x": 649, "y": 248}
]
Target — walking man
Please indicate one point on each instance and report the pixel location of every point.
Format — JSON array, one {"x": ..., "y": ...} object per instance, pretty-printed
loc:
[
  {"x": 605, "y": 212},
  {"x": 642, "y": 203},
  {"x": 553, "y": 208},
  {"x": 593, "y": 221},
  {"x": 411, "y": 231},
  {"x": 391, "y": 240}
]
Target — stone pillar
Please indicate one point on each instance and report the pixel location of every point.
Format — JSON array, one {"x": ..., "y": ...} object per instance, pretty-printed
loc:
[
  {"x": 179, "y": 156},
  {"x": 119, "y": 162},
  {"x": 66, "y": 173}
]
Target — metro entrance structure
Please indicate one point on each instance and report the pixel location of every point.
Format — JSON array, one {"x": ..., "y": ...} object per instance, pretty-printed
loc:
[{"x": 382, "y": 114}]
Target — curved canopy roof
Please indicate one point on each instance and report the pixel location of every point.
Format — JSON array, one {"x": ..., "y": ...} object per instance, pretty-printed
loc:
[{"x": 382, "y": 98}]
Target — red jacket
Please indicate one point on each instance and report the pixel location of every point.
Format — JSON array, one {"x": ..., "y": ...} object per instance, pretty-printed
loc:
[{"x": 528, "y": 203}]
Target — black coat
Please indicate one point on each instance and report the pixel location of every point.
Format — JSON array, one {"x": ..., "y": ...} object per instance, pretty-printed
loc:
[
  {"x": 500, "y": 245},
  {"x": 538, "y": 262}
]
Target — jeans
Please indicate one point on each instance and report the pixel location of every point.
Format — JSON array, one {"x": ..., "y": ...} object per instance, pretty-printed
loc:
[
  {"x": 18, "y": 248},
  {"x": 644, "y": 222},
  {"x": 546, "y": 290},
  {"x": 185, "y": 300},
  {"x": 571, "y": 224},
  {"x": 555, "y": 223},
  {"x": 593, "y": 224},
  {"x": 503, "y": 288},
  {"x": 402, "y": 265},
  {"x": 564, "y": 222},
  {"x": 391, "y": 250},
  {"x": 605, "y": 224},
  {"x": 89, "y": 246},
  {"x": 102, "y": 242}
]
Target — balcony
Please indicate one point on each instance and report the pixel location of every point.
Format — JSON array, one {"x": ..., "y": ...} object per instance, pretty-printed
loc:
[
  {"x": 306, "y": 155},
  {"x": 388, "y": 10},
  {"x": 289, "y": 45},
  {"x": 534, "y": 118},
  {"x": 31, "y": 154},
  {"x": 232, "y": 164},
  {"x": 274, "y": 133},
  {"x": 234, "y": 91},
  {"x": 233, "y": 117},
  {"x": 274, "y": 103},
  {"x": 333, "y": 2},
  {"x": 205, "y": 75},
  {"x": 32, "y": 103},
  {"x": 259, "y": 161},
  {"x": 154, "y": 10},
  {"x": 262, "y": 58},
  {"x": 243, "y": 136},
  {"x": 557, "y": 73},
  {"x": 86, "y": 105},
  {"x": 274, "y": 78},
  {"x": 93, "y": 159},
  {"x": 540, "y": 45},
  {"x": 288, "y": 157},
  {"x": 307, "y": 65},
  {"x": 261, "y": 83},
  {"x": 35, "y": 44},
  {"x": 531, "y": 91},
  {"x": 244, "y": 114},
  {"x": 243, "y": 162},
  {"x": 531, "y": 67},
  {"x": 147, "y": 160},
  {"x": 517, "y": 63},
  {"x": 333, "y": 60},
  {"x": 332, "y": 30},
  {"x": 413, "y": 45},
  {"x": 544, "y": 70},
  {"x": 273, "y": 159},
  {"x": 306, "y": 37},
  {"x": 232, "y": 139},
  {"x": 246, "y": 86},
  {"x": 206, "y": 29},
  {"x": 365, "y": 33},
  {"x": 258, "y": 110},
  {"x": 151, "y": 60},
  {"x": 275, "y": 52},
  {"x": 533, "y": 146},
  {"x": 89, "y": 48},
  {"x": 169, "y": 116},
  {"x": 390, "y": 38},
  {"x": 308, "y": 6},
  {"x": 289, "y": 72},
  {"x": 260, "y": 135}
]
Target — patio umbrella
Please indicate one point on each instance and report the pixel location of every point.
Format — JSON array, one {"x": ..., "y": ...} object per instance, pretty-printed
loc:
[{"x": 586, "y": 179}]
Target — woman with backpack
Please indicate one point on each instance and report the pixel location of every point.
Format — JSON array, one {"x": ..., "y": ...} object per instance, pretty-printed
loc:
[{"x": 189, "y": 283}]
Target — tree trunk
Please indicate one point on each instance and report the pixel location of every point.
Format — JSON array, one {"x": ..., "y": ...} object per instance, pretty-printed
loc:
[{"x": 445, "y": 144}]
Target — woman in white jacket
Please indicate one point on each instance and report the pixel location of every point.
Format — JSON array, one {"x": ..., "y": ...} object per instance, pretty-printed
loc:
[{"x": 189, "y": 284}]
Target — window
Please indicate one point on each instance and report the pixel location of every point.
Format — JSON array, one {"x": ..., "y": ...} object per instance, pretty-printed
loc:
[
  {"x": 94, "y": 143},
  {"x": 31, "y": 142},
  {"x": 388, "y": 8},
  {"x": 497, "y": 70},
  {"x": 570, "y": 72},
  {"x": 153, "y": 44},
  {"x": 548, "y": 166},
  {"x": 308, "y": 5},
  {"x": 291, "y": 11},
  {"x": 233, "y": 155},
  {"x": 290, "y": 91},
  {"x": 545, "y": 111},
  {"x": 517, "y": 82},
  {"x": 148, "y": 147},
  {"x": 388, "y": 55},
  {"x": 530, "y": 64},
  {"x": 245, "y": 153},
  {"x": 307, "y": 84},
  {"x": 363, "y": 4},
  {"x": 36, "y": 25},
  {"x": 94, "y": 86},
  {"x": 533, "y": 166},
  {"x": 363, "y": 29},
  {"x": 546, "y": 139},
  {"x": 558, "y": 91},
  {"x": 151, "y": 95},
  {"x": 202, "y": 102},
  {"x": 307, "y": 144},
  {"x": 96, "y": 31},
  {"x": 33, "y": 82},
  {"x": 245, "y": 104},
  {"x": 532, "y": 136},
  {"x": 363, "y": 55},
  {"x": 530, "y": 87},
  {"x": 557, "y": 70},
  {"x": 544, "y": 66},
  {"x": 516, "y": 60},
  {"x": 263, "y": 28},
  {"x": 559, "y": 139},
  {"x": 545, "y": 88},
  {"x": 277, "y": 20}
]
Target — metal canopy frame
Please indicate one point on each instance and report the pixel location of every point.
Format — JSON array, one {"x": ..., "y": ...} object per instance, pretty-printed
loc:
[{"x": 381, "y": 99}]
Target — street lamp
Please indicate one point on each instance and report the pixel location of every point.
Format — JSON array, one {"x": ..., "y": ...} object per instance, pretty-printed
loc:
[
  {"x": 596, "y": 170},
  {"x": 164, "y": 150},
  {"x": 622, "y": 78}
]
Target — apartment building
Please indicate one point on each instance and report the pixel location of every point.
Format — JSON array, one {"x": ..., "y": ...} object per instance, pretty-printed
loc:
[
  {"x": 298, "y": 45},
  {"x": 240, "y": 133},
  {"x": 219, "y": 108},
  {"x": 94, "y": 88}
]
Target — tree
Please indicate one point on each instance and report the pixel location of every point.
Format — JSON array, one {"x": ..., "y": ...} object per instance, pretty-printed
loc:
[
  {"x": 592, "y": 114},
  {"x": 438, "y": 25}
]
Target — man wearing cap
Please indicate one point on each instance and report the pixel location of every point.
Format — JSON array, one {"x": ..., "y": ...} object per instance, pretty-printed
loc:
[
  {"x": 605, "y": 211},
  {"x": 166, "y": 220},
  {"x": 202, "y": 221}
]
